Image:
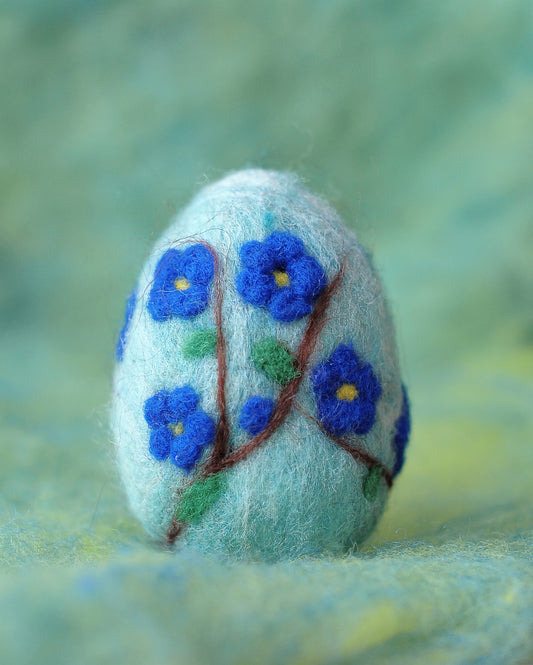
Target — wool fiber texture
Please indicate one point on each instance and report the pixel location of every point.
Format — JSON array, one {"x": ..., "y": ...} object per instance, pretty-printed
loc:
[
  {"x": 281, "y": 264},
  {"x": 415, "y": 119}
]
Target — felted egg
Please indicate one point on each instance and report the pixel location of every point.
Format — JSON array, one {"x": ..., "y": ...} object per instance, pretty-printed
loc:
[{"x": 258, "y": 409}]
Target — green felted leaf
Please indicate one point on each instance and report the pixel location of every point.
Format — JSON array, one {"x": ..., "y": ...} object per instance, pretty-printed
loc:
[
  {"x": 199, "y": 497},
  {"x": 372, "y": 483},
  {"x": 200, "y": 343},
  {"x": 274, "y": 360}
]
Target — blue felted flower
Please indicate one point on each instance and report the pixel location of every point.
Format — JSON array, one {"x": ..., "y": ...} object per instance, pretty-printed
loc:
[
  {"x": 181, "y": 283},
  {"x": 346, "y": 391},
  {"x": 279, "y": 275},
  {"x": 121, "y": 342},
  {"x": 256, "y": 414},
  {"x": 178, "y": 427},
  {"x": 401, "y": 438}
]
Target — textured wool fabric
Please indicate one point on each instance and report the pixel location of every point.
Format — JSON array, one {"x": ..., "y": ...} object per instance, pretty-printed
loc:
[
  {"x": 414, "y": 118},
  {"x": 278, "y": 249},
  {"x": 437, "y": 604}
]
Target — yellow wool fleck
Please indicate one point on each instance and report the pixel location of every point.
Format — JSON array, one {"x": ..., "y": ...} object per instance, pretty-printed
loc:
[
  {"x": 182, "y": 283},
  {"x": 282, "y": 279},
  {"x": 177, "y": 428},
  {"x": 347, "y": 392}
]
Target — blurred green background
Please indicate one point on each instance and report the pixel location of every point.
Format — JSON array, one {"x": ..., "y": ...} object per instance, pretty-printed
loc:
[{"x": 414, "y": 118}]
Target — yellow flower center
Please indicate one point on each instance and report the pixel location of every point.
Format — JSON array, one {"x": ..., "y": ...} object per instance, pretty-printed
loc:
[
  {"x": 182, "y": 283},
  {"x": 347, "y": 392},
  {"x": 177, "y": 428},
  {"x": 281, "y": 277}
]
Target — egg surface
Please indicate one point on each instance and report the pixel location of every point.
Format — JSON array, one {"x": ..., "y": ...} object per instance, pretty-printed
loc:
[{"x": 258, "y": 409}]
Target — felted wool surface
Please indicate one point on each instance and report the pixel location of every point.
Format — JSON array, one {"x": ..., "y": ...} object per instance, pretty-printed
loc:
[
  {"x": 298, "y": 493},
  {"x": 414, "y": 119}
]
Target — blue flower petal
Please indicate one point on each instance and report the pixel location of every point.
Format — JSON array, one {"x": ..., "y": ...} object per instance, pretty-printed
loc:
[
  {"x": 336, "y": 416},
  {"x": 200, "y": 428},
  {"x": 286, "y": 306},
  {"x": 197, "y": 264},
  {"x": 340, "y": 417},
  {"x": 184, "y": 453},
  {"x": 344, "y": 363},
  {"x": 121, "y": 342},
  {"x": 185, "y": 304},
  {"x": 307, "y": 277},
  {"x": 168, "y": 266},
  {"x": 324, "y": 383},
  {"x": 284, "y": 246},
  {"x": 255, "y": 287},
  {"x": 159, "y": 308},
  {"x": 366, "y": 382},
  {"x": 361, "y": 417},
  {"x": 191, "y": 302},
  {"x": 403, "y": 429},
  {"x": 156, "y": 411},
  {"x": 187, "y": 448},
  {"x": 182, "y": 401},
  {"x": 257, "y": 256},
  {"x": 256, "y": 414},
  {"x": 160, "y": 442}
]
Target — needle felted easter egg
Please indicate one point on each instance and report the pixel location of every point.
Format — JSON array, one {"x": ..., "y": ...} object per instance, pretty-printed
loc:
[{"x": 258, "y": 409}]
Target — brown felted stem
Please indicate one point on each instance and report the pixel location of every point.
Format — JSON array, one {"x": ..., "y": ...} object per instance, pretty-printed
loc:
[
  {"x": 222, "y": 434},
  {"x": 174, "y": 531},
  {"x": 220, "y": 446},
  {"x": 364, "y": 458},
  {"x": 317, "y": 320},
  {"x": 220, "y": 459},
  {"x": 358, "y": 455}
]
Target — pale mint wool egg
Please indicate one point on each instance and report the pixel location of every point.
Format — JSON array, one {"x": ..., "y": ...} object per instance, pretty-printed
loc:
[{"x": 258, "y": 410}]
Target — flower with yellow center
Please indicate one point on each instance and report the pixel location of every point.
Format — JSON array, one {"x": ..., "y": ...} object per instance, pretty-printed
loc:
[
  {"x": 281, "y": 278},
  {"x": 347, "y": 392}
]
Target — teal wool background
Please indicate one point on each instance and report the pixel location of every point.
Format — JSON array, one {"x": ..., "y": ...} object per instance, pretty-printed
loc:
[{"x": 414, "y": 119}]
